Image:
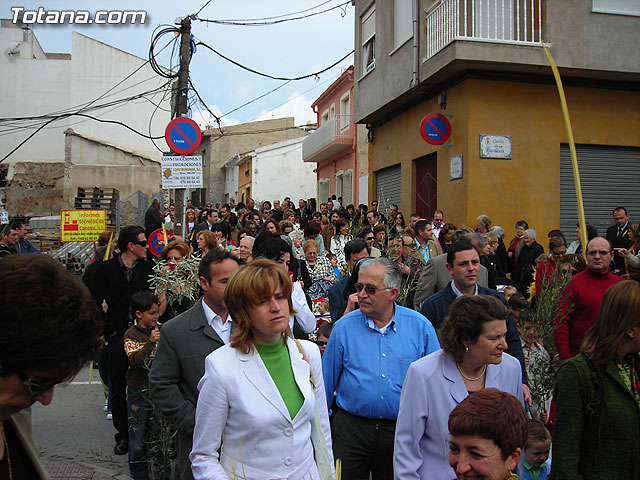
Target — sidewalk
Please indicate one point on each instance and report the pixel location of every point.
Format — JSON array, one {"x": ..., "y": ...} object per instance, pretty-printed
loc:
[{"x": 59, "y": 470}]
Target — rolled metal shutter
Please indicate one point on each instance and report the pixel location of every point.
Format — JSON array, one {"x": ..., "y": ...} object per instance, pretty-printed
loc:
[
  {"x": 347, "y": 188},
  {"x": 388, "y": 182},
  {"x": 609, "y": 176}
]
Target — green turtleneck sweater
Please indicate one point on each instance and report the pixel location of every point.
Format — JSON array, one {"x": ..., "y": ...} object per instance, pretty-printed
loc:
[{"x": 276, "y": 358}]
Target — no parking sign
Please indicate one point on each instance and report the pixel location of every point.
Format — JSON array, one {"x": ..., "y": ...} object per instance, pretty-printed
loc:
[
  {"x": 183, "y": 135},
  {"x": 435, "y": 129},
  {"x": 158, "y": 240}
]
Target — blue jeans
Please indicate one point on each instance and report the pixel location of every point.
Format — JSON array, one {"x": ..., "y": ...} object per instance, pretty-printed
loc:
[{"x": 145, "y": 453}]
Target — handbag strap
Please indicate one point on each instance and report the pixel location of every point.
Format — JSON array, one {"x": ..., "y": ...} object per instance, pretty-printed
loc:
[{"x": 304, "y": 357}]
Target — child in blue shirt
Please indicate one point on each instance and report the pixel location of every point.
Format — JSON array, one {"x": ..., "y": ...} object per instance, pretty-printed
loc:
[{"x": 535, "y": 463}]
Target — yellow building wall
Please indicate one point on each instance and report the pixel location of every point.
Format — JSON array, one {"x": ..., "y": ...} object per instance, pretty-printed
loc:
[{"x": 525, "y": 187}]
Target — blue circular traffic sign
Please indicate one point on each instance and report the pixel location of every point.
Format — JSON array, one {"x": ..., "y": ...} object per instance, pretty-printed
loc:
[
  {"x": 158, "y": 240},
  {"x": 435, "y": 129},
  {"x": 183, "y": 135}
]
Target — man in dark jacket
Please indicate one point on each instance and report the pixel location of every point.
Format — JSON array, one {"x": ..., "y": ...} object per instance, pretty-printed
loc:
[
  {"x": 618, "y": 236},
  {"x": 152, "y": 218},
  {"x": 115, "y": 281},
  {"x": 463, "y": 264},
  {"x": 526, "y": 259}
]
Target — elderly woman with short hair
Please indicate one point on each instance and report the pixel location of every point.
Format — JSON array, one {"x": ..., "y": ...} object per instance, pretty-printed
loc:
[
  {"x": 488, "y": 431},
  {"x": 483, "y": 224},
  {"x": 319, "y": 267},
  {"x": 526, "y": 259},
  {"x": 472, "y": 358}
]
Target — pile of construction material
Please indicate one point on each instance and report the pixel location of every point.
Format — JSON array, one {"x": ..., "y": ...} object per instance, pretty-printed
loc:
[{"x": 75, "y": 256}]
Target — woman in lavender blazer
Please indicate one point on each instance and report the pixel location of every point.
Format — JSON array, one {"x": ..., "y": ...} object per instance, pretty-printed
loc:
[{"x": 472, "y": 358}]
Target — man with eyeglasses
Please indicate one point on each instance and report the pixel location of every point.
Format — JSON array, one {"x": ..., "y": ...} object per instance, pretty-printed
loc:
[
  {"x": 49, "y": 330},
  {"x": 115, "y": 281},
  {"x": 545, "y": 269},
  {"x": 581, "y": 300},
  {"x": 367, "y": 235},
  {"x": 354, "y": 251},
  {"x": 365, "y": 362},
  {"x": 438, "y": 222}
]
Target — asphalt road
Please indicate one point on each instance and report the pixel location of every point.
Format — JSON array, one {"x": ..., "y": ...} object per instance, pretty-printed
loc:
[{"x": 72, "y": 433}]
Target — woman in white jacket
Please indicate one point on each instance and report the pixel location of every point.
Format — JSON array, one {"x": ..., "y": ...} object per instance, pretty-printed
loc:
[{"x": 257, "y": 402}]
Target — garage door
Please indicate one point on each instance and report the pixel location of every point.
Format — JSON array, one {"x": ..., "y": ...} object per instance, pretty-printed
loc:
[
  {"x": 609, "y": 176},
  {"x": 388, "y": 183}
]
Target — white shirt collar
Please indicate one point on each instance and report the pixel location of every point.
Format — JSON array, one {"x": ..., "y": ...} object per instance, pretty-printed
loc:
[
  {"x": 458, "y": 292},
  {"x": 215, "y": 321}
]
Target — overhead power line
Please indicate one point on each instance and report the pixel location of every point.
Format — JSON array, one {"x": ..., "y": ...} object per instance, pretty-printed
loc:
[
  {"x": 254, "y": 23},
  {"x": 53, "y": 118},
  {"x": 248, "y": 69},
  {"x": 278, "y": 16}
]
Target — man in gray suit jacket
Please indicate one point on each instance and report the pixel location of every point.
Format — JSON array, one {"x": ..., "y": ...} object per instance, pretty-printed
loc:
[
  {"x": 435, "y": 277},
  {"x": 184, "y": 343}
]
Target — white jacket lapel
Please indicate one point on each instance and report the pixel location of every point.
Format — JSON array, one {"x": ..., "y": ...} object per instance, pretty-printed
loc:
[{"x": 259, "y": 376}]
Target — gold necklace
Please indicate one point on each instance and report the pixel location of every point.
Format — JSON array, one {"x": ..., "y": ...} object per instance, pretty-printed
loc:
[
  {"x": 6, "y": 450},
  {"x": 472, "y": 379}
]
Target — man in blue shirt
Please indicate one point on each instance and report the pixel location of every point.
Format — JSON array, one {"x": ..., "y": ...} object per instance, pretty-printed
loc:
[
  {"x": 365, "y": 362},
  {"x": 424, "y": 239},
  {"x": 22, "y": 245}
]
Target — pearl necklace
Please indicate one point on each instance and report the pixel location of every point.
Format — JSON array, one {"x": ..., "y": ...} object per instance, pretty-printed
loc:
[{"x": 472, "y": 379}]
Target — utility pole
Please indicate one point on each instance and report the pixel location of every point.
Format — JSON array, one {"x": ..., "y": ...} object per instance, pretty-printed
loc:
[{"x": 181, "y": 109}]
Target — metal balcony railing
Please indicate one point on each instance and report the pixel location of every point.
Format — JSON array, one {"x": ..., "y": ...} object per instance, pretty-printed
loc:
[
  {"x": 500, "y": 21},
  {"x": 336, "y": 130}
]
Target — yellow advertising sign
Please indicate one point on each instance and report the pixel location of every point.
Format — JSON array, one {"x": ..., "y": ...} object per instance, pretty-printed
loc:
[{"x": 82, "y": 225}]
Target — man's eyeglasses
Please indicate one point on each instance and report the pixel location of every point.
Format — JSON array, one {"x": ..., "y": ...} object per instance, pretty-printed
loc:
[
  {"x": 369, "y": 239},
  {"x": 368, "y": 288},
  {"x": 142, "y": 243},
  {"x": 320, "y": 343},
  {"x": 410, "y": 245},
  {"x": 593, "y": 253},
  {"x": 37, "y": 387}
]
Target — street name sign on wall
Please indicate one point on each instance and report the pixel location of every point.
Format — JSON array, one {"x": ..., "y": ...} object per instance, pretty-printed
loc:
[
  {"x": 495, "y": 146},
  {"x": 82, "y": 225},
  {"x": 183, "y": 135},
  {"x": 181, "y": 171},
  {"x": 435, "y": 129}
]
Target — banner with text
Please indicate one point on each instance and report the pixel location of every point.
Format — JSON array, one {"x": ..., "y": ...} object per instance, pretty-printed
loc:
[
  {"x": 182, "y": 171},
  {"x": 82, "y": 225}
]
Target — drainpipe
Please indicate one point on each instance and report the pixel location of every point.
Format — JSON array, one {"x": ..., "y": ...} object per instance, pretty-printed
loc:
[{"x": 415, "y": 80}]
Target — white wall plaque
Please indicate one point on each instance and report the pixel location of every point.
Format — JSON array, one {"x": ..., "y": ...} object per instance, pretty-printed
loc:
[
  {"x": 455, "y": 167},
  {"x": 495, "y": 146}
]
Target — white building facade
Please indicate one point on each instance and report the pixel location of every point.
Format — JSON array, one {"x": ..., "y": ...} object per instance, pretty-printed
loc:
[{"x": 39, "y": 83}]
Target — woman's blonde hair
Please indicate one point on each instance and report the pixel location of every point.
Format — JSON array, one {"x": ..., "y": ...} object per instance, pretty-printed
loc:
[
  {"x": 619, "y": 312},
  {"x": 309, "y": 244},
  {"x": 246, "y": 288},
  {"x": 178, "y": 245}
]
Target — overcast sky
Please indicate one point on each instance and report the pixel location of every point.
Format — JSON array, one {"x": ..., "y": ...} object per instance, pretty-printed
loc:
[{"x": 288, "y": 49}]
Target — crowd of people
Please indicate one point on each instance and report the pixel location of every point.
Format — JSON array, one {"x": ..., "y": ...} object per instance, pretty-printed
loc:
[{"x": 403, "y": 349}]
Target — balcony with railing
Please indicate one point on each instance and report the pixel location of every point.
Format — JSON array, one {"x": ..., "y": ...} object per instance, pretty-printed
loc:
[
  {"x": 515, "y": 22},
  {"x": 335, "y": 135}
]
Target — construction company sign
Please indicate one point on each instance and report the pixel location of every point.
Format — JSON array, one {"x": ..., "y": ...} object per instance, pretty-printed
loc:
[
  {"x": 182, "y": 171},
  {"x": 82, "y": 225}
]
